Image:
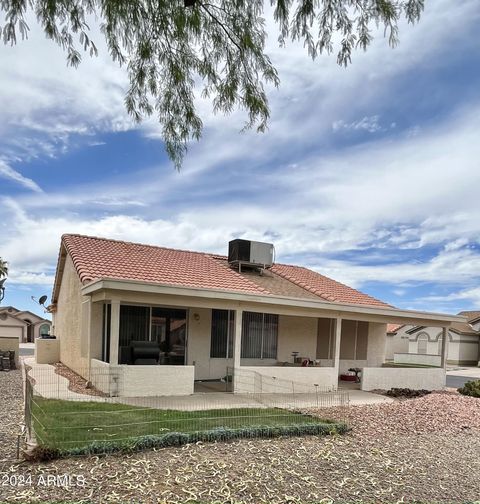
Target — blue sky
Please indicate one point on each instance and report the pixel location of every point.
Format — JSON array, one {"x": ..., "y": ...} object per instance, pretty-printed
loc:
[{"x": 368, "y": 174}]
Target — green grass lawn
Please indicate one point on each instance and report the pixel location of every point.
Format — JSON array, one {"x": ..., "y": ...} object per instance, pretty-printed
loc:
[{"x": 71, "y": 424}]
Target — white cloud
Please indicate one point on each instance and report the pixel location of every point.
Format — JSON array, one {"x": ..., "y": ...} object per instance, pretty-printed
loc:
[
  {"x": 367, "y": 123},
  {"x": 7, "y": 172}
]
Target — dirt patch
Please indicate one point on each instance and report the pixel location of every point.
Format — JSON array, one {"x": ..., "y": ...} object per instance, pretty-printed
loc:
[{"x": 76, "y": 383}]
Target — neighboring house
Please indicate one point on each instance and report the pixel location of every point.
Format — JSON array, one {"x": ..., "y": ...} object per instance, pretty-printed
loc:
[
  {"x": 426, "y": 342},
  {"x": 120, "y": 307},
  {"x": 463, "y": 344},
  {"x": 22, "y": 324},
  {"x": 397, "y": 341}
]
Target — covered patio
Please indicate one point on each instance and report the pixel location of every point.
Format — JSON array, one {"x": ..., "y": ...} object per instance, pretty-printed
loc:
[{"x": 150, "y": 340}]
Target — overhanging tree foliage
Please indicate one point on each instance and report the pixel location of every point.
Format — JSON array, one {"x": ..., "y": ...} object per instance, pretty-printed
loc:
[
  {"x": 172, "y": 48},
  {"x": 3, "y": 268}
]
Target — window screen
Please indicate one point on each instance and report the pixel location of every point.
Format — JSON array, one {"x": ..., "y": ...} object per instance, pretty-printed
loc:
[
  {"x": 221, "y": 341},
  {"x": 259, "y": 335}
]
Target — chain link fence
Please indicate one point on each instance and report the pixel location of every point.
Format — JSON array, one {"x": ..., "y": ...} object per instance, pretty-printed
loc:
[{"x": 67, "y": 416}]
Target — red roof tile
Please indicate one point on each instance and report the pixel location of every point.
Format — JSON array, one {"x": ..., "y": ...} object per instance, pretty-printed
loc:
[
  {"x": 324, "y": 287},
  {"x": 393, "y": 328},
  {"x": 96, "y": 258}
]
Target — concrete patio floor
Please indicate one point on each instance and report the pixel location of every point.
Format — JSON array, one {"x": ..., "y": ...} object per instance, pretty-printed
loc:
[{"x": 227, "y": 400}]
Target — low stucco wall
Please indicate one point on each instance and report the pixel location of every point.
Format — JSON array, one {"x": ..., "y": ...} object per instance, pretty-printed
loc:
[
  {"x": 10, "y": 345},
  {"x": 425, "y": 359},
  {"x": 47, "y": 351},
  {"x": 249, "y": 379},
  {"x": 414, "y": 378},
  {"x": 142, "y": 381}
]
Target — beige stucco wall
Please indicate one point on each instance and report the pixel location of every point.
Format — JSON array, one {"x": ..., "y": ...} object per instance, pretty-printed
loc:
[
  {"x": 96, "y": 330},
  {"x": 198, "y": 347},
  {"x": 47, "y": 351},
  {"x": 67, "y": 320},
  {"x": 142, "y": 381},
  {"x": 424, "y": 359},
  {"x": 377, "y": 334},
  {"x": 396, "y": 343},
  {"x": 296, "y": 334},
  {"x": 415, "y": 378}
]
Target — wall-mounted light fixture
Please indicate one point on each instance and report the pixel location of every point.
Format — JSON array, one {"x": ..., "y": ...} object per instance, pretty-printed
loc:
[{"x": 196, "y": 317}]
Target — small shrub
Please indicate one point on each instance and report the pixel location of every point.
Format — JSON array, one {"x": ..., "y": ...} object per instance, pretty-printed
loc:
[
  {"x": 407, "y": 393},
  {"x": 471, "y": 388},
  {"x": 41, "y": 453},
  {"x": 182, "y": 438}
]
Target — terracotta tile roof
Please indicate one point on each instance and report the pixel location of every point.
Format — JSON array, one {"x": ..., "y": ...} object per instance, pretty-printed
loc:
[
  {"x": 324, "y": 287},
  {"x": 393, "y": 328},
  {"x": 465, "y": 327},
  {"x": 96, "y": 258},
  {"x": 471, "y": 315}
]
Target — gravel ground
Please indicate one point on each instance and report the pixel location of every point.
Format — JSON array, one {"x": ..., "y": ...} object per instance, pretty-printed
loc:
[
  {"x": 425, "y": 449},
  {"x": 11, "y": 414}
]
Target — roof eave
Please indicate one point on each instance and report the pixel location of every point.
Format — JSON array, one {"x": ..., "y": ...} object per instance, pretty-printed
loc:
[
  {"x": 391, "y": 315},
  {"x": 62, "y": 257}
]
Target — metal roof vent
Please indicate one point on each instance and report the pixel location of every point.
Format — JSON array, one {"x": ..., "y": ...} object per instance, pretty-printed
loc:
[{"x": 250, "y": 253}]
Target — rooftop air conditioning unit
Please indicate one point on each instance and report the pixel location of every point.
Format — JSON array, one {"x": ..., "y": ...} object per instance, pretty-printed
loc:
[{"x": 250, "y": 253}]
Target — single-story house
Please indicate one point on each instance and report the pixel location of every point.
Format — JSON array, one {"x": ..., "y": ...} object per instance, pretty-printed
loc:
[
  {"x": 23, "y": 325},
  {"x": 424, "y": 343},
  {"x": 141, "y": 320}
]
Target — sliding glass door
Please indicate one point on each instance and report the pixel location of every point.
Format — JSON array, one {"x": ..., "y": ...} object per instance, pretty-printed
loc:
[{"x": 169, "y": 329}]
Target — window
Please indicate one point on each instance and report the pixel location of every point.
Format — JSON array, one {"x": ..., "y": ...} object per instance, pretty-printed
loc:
[
  {"x": 259, "y": 335},
  {"x": 44, "y": 329},
  {"x": 422, "y": 343},
  {"x": 221, "y": 341}
]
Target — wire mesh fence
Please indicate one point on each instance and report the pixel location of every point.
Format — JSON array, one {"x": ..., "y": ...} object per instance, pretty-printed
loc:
[{"x": 65, "y": 413}]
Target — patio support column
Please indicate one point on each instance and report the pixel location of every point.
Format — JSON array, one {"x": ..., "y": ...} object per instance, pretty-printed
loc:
[
  {"x": 443, "y": 361},
  {"x": 336, "y": 354},
  {"x": 237, "y": 346},
  {"x": 114, "y": 331}
]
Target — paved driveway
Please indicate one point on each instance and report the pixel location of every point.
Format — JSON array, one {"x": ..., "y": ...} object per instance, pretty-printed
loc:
[
  {"x": 458, "y": 381},
  {"x": 26, "y": 349}
]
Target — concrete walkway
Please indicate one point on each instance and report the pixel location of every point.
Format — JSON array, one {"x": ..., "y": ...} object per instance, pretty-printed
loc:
[
  {"x": 225, "y": 400},
  {"x": 50, "y": 385},
  {"x": 473, "y": 372}
]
